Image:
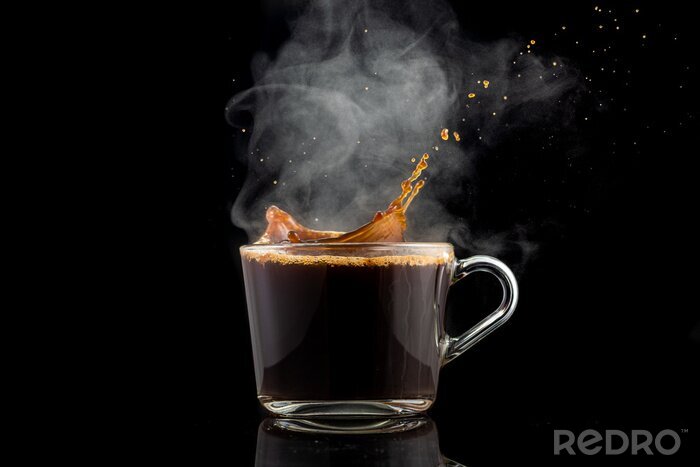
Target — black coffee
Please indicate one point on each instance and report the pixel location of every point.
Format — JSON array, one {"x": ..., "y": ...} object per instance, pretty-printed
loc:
[{"x": 346, "y": 328}]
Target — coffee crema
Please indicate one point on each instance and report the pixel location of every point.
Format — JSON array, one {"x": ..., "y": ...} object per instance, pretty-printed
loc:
[{"x": 283, "y": 257}]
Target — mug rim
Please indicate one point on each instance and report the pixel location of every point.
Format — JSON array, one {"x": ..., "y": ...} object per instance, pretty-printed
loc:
[{"x": 343, "y": 245}]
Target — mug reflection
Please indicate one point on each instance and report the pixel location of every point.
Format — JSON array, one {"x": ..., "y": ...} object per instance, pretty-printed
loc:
[{"x": 405, "y": 442}]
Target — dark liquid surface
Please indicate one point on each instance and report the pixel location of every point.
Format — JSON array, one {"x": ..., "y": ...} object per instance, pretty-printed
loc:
[{"x": 346, "y": 332}]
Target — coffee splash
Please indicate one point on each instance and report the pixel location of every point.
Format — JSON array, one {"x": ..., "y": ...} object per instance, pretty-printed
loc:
[{"x": 386, "y": 226}]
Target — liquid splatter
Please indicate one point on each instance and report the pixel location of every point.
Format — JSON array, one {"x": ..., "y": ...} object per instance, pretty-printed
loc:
[
  {"x": 445, "y": 134},
  {"x": 386, "y": 226}
]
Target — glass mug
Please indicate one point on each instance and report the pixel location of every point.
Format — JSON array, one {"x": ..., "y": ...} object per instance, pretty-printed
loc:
[{"x": 357, "y": 329}]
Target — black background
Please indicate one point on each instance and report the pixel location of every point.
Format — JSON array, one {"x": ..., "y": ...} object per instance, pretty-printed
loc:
[{"x": 606, "y": 333}]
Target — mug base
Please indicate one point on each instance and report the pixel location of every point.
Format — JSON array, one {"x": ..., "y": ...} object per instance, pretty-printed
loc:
[{"x": 348, "y": 408}]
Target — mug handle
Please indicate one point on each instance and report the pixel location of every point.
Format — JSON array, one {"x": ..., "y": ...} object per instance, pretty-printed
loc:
[{"x": 455, "y": 346}]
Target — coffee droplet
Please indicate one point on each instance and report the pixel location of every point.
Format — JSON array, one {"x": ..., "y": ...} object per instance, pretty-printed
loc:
[
  {"x": 445, "y": 134},
  {"x": 456, "y": 135},
  {"x": 471, "y": 95},
  {"x": 413, "y": 159},
  {"x": 532, "y": 42},
  {"x": 486, "y": 84}
]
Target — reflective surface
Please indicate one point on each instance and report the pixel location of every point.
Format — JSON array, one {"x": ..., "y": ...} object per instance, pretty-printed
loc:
[{"x": 405, "y": 442}]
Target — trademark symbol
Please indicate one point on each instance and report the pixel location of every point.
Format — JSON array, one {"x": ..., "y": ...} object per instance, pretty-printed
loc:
[{"x": 684, "y": 430}]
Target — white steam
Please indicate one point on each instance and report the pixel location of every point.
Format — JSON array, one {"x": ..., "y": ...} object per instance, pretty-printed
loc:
[{"x": 362, "y": 87}]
